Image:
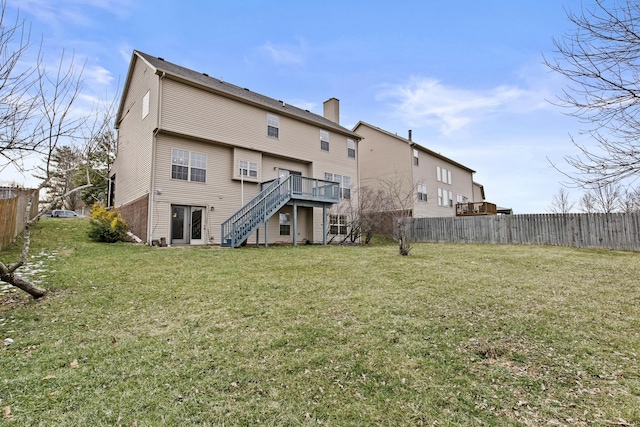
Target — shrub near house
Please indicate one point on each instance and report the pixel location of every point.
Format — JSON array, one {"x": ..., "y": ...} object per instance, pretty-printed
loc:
[{"x": 107, "y": 225}]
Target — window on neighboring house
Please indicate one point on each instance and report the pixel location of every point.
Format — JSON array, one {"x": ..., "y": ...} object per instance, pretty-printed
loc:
[
  {"x": 337, "y": 224},
  {"x": 443, "y": 175},
  {"x": 344, "y": 181},
  {"x": 324, "y": 140},
  {"x": 285, "y": 224},
  {"x": 415, "y": 157},
  {"x": 351, "y": 148},
  {"x": 249, "y": 169},
  {"x": 273, "y": 125},
  {"x": 145, "y": 105},
  {"x": 461, "y": 199},
  {"x": 445, "y": 198},
  {"x": 188, "y": 166},
  {"x": 422, "y": 192},
  {"x": 345, "y": 188}
]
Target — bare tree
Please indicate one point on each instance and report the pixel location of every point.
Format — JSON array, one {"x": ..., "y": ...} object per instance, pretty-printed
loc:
[
  {"x": 607, "y": 197},
  {"x": 587, "y": 203},
  {"x": 630, "y": 201},
  {"x": 357, "y": 212},
  {"x": 561, "y": 204},
  {"x": 603, "y": 198},
  {"x": 397, "y": 196},
  {"x": 601, "y": 58},
  {"x": 37, "y": 116}
]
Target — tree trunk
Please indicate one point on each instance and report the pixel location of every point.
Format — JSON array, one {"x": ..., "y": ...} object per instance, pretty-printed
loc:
[{"x": 21, "y": 283}]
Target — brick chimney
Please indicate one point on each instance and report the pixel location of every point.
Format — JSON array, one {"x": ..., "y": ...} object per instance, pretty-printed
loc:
[{"x": 332, "y": 110}]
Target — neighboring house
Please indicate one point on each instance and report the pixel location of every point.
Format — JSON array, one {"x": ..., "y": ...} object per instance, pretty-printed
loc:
[
  {"x": 193, "y": 150},
  {"x": 435, "y": 184}
]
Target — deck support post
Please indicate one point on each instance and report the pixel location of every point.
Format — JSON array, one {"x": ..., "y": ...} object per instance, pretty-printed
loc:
[
  {"x": 324, "y": 224},
  {"x": 295, "y": 223}
]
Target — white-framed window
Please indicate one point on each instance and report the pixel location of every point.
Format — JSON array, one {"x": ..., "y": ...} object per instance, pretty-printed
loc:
[
  {"x": 351, "y": 148},
  {"x": 324, "y": 140},
  {"x": 445, "y": 198},
  {"x": 285, "y": 224},
  {"x": 337, "y": 224},
  {"x": 345, "y": 188},
  {"x": 188, "y": 166},
  {"x": 415, "y": 157},
  {"x": 273, "y": 126},
  {"x": 343, "y": 180},
  {"x": 145, "y": 104},
  {"x": 422, "y": 193},
  {"x": 443, "y": 175},
  {"x": 249, "y": 169}
]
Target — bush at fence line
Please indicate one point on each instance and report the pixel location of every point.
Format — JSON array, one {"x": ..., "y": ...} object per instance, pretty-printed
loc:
[{"x": 107, "y": 225}]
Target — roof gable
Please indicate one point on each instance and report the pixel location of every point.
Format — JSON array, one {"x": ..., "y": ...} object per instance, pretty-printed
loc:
[
  {"x": 220, "y": 87},
  {"x": 413, "y": 144}
]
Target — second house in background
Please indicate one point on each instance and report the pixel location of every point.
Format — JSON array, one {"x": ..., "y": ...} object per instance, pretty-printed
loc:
[{"x": 435, "y": 184}]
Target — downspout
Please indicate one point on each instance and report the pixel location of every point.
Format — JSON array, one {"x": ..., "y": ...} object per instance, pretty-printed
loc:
[{"x": 153, "y": 163}]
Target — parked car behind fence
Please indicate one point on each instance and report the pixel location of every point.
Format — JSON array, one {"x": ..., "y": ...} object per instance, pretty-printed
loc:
[{"x": 59, "y": 213}]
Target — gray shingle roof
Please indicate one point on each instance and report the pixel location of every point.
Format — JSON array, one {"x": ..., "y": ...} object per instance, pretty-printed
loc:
[{"x": 242, "y": 94}]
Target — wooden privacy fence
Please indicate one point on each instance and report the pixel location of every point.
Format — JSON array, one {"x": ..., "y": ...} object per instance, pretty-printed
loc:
[
  {"x": 611, "y": 231},
  {"x": 13, "y": 203}
]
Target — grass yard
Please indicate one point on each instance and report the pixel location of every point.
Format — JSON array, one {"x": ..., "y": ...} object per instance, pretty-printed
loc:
[{"x": 336, "y": 336}]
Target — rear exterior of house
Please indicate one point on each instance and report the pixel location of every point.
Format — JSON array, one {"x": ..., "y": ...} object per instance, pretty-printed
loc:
[
  {"x": 192, "y": 150},
  {"x": 436, "y": 182}
]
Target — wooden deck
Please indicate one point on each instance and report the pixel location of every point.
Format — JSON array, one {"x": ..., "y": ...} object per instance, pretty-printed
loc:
[{"x": 474, "y": 209}]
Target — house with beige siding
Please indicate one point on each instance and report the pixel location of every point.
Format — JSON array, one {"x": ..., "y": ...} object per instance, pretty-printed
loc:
[
  {"x": 203, "y": 161},
  {"x": 435, "y": 183}
]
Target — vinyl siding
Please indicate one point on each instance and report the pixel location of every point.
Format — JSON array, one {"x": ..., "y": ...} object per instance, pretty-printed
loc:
[
  {"x": 201, "y": 114},
  {"x": 385, "y": 157},
  {"x": 220, "y": 192},
  {"x": 135, "y": 135},
  {"x": 226, "y": 131},
  {"x": 461, "y": 184}
]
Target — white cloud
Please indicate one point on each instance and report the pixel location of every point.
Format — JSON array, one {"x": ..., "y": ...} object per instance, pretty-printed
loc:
[
  {"x": 61, "y": 13},
  {"x": 428, "y": 102},
  {"x": 288, "y": 55},
  {"x": 98, "y": 75}
]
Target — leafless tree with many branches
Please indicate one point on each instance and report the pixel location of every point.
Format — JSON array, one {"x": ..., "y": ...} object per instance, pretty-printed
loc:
[
  {"x": 37, "y": 115},
  {"x": 601, "y": 59}
]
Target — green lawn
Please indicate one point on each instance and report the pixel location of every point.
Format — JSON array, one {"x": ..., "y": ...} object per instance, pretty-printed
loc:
[{"x": 451, "y": 335}]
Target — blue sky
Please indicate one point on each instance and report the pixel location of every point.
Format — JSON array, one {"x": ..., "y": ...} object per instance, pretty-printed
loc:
[{"x": 466, "y": 76}]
